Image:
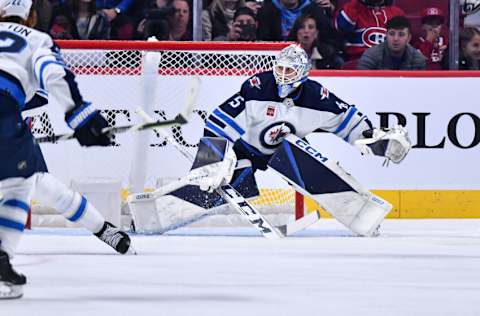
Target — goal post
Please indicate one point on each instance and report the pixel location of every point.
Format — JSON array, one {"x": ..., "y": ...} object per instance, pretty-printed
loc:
[{"x": 120, "y": 76}]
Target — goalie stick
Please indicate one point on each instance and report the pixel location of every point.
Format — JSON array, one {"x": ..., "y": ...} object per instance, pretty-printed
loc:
[
  {"x": 229, "y": 194},
  {"x": 180, "y": 119}
]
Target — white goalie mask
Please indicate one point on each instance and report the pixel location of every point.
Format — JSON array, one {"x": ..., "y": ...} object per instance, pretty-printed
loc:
[
  {"x": 20, "y": 8},
  {"x": 291, "y": 69}
]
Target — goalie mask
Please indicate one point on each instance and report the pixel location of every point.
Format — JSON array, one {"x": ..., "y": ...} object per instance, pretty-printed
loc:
[
  {"x": 291, "y": 69},
  {"x": 20, "y": 8}
]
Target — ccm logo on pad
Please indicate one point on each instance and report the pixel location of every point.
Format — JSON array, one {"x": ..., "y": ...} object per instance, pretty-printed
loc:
[{"x": 310, "y": 150}]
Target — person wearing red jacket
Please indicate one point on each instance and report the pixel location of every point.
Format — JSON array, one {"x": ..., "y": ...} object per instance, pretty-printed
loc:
[
  {"x": 363, "y": 24},
  {"x": 434, "y": 41}
]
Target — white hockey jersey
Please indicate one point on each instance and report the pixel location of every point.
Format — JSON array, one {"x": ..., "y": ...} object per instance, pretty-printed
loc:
[
  {"x": 32, "y": 58},
  {"x": 256, "y": 119}
]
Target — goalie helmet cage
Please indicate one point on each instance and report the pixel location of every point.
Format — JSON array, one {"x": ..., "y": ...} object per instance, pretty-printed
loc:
[{"x": 119, "y": 76}]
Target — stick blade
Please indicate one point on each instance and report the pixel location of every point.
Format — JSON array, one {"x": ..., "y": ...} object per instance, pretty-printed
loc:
[
  {"x": 191, "y": 96},
  {"x": 300, "y": 224}
]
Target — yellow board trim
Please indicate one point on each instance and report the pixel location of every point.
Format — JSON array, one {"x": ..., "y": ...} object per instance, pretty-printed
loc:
[
  {"x": 406, "y": 203},
  {"x": 426, "y": 203}
]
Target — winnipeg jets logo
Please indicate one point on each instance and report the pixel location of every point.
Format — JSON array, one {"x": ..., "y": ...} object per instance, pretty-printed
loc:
[
  {"x": 324, "y": 94},
  {"x": 277, "y": 134},
  {"x": 274, "y": 134},
  {"x": 255, "y": 82}
]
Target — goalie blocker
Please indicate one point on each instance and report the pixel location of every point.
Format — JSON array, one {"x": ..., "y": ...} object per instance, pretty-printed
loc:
[{"x": 329, "y": 185}]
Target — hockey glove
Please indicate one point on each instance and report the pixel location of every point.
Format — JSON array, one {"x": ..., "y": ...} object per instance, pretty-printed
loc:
[
  {"x": 87, "y": 124},
  {"x": 393, "y": 144}
]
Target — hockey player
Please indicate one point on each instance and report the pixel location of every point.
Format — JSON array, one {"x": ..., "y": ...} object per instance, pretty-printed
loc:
[
  {"x": 266, "y": 123},
  {"x": 55, "y": 194},
  {"x": 29, "y": 62}
]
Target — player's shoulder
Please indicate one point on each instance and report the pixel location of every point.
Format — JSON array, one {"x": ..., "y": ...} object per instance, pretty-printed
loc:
[
  {"x": 261, "y": 86},
  {"x": 317, "y": 97},
  {"x": 33, "y": 37}
]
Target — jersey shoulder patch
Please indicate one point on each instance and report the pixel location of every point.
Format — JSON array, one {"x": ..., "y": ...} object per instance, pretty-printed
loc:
[
  {"x": 317, "y": 97},
  {"x": 260, "y": 87}
]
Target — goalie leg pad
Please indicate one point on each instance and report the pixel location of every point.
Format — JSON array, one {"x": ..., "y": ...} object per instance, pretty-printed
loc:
[
  {"x": 187, "y": 204},
  {"x": 313, "y": 174}
]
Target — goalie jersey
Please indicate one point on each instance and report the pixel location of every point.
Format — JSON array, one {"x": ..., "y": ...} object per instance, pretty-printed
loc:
[{"x": 256, "y": 119}]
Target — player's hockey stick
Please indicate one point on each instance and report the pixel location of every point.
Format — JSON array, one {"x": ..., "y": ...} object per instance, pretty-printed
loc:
[
  {"x": 180, "y": 119},
  {"x": 235, "y": 199}
]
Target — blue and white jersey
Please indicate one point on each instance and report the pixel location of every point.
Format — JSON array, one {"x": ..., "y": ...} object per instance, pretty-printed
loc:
[
  {"x": 30, "y": 65},
  {"x": 258, "y": 119},
  {"x": 34, "y": 62}
]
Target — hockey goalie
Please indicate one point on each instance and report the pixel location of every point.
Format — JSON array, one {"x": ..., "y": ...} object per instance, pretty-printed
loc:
[{"x": 265, "y": 125}]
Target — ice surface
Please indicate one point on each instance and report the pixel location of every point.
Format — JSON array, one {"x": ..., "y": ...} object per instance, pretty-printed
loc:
[{"x": 417, "y": 267}]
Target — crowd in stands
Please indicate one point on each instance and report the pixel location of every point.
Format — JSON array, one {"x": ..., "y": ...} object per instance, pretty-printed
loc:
[{"x": 337, "y": 34}]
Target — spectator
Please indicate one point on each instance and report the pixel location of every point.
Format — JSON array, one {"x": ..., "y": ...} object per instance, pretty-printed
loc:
[
  {"x": 433, "y": 43},
  {"x": 276, "y": 19},
  {"x": 153, "y": 14},
  {"x": 63, "y": 24},
  {"x": 44, "y": 9},
  {"x": 395, "y": 53},
  {"x": 327, "y": 5},
  {"x": 117, "y": 13},
  {"x": 91, "y": 25},
  {"x": 180, "y": 21},
  {"x": 244, "y": 26},
  {"x": 218, "y": 18},
  {"x": 254, "y": 5},
  {"x": 469, "y": 49},
  {"x": 170, "y": 22},
  {"x": 362, "y": 23},
  {"x": 322, "y": 55},
  {"x": 80, "y": 20}
]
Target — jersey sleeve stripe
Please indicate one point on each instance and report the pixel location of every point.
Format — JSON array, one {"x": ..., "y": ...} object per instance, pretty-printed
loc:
[
  {"x": 42, "y": 69},
  {"x": 343, "y": 22},
  {"x": 362, "y": 119},
  {"x": 229, "y": 121},
  {"x": 346, "y": 120},
  {"x": 218, "y": 131},
  {"x": 216, "y": 121}
]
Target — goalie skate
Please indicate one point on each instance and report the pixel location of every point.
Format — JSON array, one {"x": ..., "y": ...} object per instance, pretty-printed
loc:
[
  {"x": 115, "y": 238},
  {"x": 11, "y": 282}
]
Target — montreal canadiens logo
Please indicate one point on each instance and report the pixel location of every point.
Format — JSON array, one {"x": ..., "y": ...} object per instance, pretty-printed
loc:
[
  {"x": 274, "y": 134},
  {"x": 373, "y": 36}
]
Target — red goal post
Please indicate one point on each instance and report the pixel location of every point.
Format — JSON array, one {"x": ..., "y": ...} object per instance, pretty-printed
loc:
[{"x": 118, "y": 76}]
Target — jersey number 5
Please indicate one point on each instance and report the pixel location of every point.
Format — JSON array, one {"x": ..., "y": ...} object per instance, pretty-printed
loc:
[{"x": 11, "y": 42}]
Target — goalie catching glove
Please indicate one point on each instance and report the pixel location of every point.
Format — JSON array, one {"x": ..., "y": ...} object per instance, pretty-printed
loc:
[{"x": 393, "y": 143}]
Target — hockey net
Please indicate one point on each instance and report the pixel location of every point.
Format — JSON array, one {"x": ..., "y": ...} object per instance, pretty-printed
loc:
[{"x": 118, "y": 77}]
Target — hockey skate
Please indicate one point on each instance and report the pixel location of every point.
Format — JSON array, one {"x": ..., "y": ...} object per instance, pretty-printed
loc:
[
  {"x": 11, "y": 282},
  {"x": 115, "y": 238}
]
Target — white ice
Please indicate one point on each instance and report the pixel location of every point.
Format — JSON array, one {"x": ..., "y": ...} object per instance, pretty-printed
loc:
[{"x": 417, "y": 267}]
